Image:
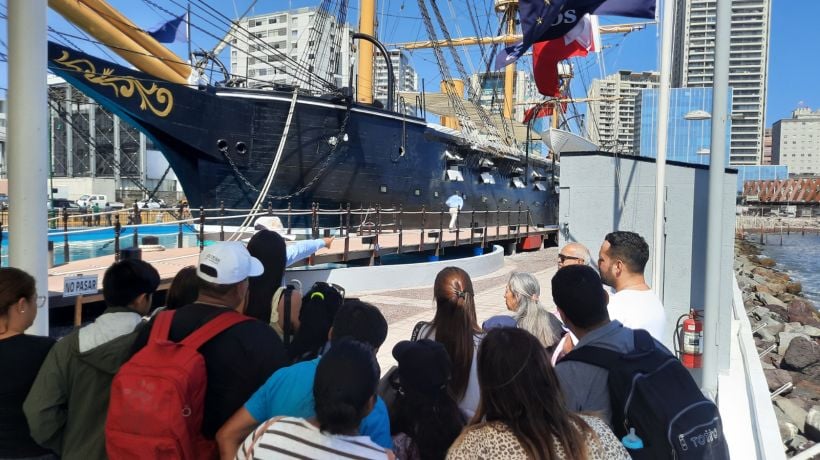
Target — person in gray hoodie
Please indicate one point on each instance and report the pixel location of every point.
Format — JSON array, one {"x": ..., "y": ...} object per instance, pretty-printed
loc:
[{"x": 68, "y": 402}]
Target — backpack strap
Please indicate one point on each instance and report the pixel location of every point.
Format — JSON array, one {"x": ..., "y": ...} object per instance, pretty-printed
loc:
[
  {"x": 162, "y": 326},
  {"x": 417, "y": 330},
  {"x": 213, "y": 328},
  {"x": 287, "y": 329},
  {"x": 595, "y": 356}
]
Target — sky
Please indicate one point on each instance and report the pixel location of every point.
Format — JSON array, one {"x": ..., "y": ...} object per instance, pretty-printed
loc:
[{"x": 794, "y": 60}]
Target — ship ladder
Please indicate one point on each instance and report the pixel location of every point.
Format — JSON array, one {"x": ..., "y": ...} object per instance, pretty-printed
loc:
[{"x": 269, "y": 180}]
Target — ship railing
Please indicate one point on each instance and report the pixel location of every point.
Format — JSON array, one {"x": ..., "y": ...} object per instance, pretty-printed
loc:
[{"x": 365, "y": 224}]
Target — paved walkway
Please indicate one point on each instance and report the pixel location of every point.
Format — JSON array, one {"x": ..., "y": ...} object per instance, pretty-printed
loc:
[{"x": 406, "y": 307}]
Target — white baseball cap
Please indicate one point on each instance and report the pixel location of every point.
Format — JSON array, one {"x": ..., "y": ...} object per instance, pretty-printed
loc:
[
  {"x": 274, "y": 224},
  {"x": 227, "y": 262}
]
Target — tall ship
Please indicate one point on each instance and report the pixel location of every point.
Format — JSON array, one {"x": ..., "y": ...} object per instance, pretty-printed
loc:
[{"x": 243, "y": 146}]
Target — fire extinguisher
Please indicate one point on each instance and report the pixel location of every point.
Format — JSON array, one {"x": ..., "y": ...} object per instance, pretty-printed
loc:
[{"x": 690, "y": 339}]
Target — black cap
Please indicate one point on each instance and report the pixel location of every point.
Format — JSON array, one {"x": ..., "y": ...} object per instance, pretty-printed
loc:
[{"x": 424, "y": 366}]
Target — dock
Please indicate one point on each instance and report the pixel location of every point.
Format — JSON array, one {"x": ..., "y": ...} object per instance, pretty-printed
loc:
[{"x": 365, "y": 247}]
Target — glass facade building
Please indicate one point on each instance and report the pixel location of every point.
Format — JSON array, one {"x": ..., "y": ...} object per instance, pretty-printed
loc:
[
  {"x": 760, "y": 172},
  {"x": 688, "y": 140}
]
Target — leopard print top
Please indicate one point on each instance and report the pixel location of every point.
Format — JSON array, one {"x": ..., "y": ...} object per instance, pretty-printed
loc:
[{"x": 495, "y": 440}]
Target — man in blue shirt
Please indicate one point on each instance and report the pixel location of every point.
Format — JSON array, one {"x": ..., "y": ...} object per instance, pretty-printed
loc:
[
  {"x": 289, "y": 391},
  {"x": 455, "y": 203}
]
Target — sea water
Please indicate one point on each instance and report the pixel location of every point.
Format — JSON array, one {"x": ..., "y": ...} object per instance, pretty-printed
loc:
[
  {"x": 92, "y": 242},
  {"x": 799, "y": 256}
]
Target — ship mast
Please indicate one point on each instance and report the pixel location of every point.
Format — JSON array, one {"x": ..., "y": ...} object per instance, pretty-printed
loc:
[
  {"x": 508, "y": 7},
  {"x": 367, "y": 25}
]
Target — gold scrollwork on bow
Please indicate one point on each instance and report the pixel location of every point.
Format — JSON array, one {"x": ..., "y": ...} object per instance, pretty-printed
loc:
[{"x": 123, "y": 86}]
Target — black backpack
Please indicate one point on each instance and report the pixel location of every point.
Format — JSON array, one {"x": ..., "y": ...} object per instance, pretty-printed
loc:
[{"x": 653, "y": 393}]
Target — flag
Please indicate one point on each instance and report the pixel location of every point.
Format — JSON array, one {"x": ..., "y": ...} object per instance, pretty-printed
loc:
[
  {"x": 549, "y": 19},
  {"x": 171, "y": 31},
  {"x": 546, "y": 55},
  {"x": 631, "y": 8}
]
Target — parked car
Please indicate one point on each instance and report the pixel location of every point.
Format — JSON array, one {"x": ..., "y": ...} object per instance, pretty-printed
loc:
[
  {"x": 87, "y": 201},
  {"x": 153, "y": 203}
]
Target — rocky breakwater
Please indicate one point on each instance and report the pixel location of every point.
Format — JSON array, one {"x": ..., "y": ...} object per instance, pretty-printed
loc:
[{"x": 787, "y": 334}]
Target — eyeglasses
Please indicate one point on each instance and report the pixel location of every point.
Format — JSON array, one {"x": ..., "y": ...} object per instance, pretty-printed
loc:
[
  {"x": 562, "y": 258},
  {"x": 41, "y": 301}
]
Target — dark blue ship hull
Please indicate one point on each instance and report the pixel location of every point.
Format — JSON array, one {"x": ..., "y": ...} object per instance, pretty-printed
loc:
[{"x": 222, "y": 142}]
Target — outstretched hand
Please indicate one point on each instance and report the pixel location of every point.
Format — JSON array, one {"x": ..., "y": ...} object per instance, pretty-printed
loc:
[{"x": 328, "y": 241}]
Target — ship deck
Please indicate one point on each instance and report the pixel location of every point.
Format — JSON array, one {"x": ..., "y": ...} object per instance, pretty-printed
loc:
[{"x": 353, "y": 247}]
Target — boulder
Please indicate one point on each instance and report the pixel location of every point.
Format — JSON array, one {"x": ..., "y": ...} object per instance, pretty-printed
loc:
[
  {"x": 769, "y": 299},
  {"x": 792, "y": 327},
  {"x": 779, "y": 313},
  {"x": 801, "y": 352},
  {"x": 760, "y": 312},
  {"x": 812, "y": 430},
  {"x": 760, "y": 279},
  {"x": 787, "y": 430},
  {"x": 761, "y": 271},
  {"x": 766, "y": 262},
  {"x": 811, "y": 331},
  {"x": 802, "y": 311},
  {"x": 766, "y": 338},
  {"x": 793, "y": 411},
  {"x": 798, "y": 443},
  {"x": 776, "y": 378},
  {"x": 780, "y": 277},
  {"x": 762, "y": 288},
  {"x": 784, "y": 339},
  {"x": 775, "y": 288},
  {"x": 812, "y": 372},
  {"x": 794, "y": 287}
]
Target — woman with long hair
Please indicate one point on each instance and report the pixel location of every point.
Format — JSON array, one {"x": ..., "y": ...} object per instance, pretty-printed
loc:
[
  {"x": 454, "y": 326},
  {"x": 424, "y": 418},
  {"x": 522, "y": 414},
  {"x": 21, "y": 356},
  {"x": 269, "y": 247},
  {"x": 184, "y": 289},
  {"x": 522, "y": 297}
]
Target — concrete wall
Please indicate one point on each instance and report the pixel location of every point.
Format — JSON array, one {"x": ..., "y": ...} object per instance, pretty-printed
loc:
[
  {"x": 364, "y": 279},
  {"x": 78, "y": 186},
  {"x": 601, "y": 193}
]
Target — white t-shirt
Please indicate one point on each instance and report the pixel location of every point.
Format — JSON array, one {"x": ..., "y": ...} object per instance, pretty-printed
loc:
[
  {"x": 639, "y": 310},
  {"x": 290, "y": 437}
]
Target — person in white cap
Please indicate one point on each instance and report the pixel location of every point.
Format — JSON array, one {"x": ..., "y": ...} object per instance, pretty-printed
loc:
[{"x": 241, "y": 358}]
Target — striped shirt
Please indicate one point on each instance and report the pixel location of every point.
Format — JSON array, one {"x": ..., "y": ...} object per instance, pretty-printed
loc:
[{"x": 290, "y": 437}]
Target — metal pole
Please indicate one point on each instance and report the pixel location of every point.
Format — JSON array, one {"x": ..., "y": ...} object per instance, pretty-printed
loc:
[
  {"x": 65, "y": 236},
  {"x": 714, "y": 272},
  {"x": 28, "y": 145},
  {"x": 201, "y": 228},
  {"x": 221, "y": 221},
  {"x": 663, "y": 130}
]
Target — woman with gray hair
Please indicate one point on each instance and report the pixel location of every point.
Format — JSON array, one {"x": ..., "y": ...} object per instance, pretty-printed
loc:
[{"x": 522, "y": 297}]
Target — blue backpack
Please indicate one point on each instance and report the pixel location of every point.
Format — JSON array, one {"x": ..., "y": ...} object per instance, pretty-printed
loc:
[{"x": 653, "y": 393}]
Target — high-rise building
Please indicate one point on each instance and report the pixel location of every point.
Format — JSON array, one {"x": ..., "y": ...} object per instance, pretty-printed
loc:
[
  {"x": 406, "y": 78},
  {"x": 767, "y": 147},
  {"x": 286, "y": 36},
  {"x": 796, "y": 142},
  {"x": 610, "y": 117},
  {"x": 689, "y": 136},
  {"x": 693, "y": 65},
  {"x": 489, "y": 88}
]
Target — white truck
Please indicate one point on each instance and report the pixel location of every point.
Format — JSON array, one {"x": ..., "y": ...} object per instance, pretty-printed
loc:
[{"x": 87, "y": 201}]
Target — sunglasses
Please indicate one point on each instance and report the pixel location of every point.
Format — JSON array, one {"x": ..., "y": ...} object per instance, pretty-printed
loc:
[{"x": 562, "y": 258}]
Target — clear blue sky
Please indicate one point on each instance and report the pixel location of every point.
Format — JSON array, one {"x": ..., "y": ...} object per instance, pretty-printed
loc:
[{"x": 794, "y": 67}]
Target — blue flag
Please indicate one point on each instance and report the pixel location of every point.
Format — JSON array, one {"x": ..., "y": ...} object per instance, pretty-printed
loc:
[
  {"x": 543, "y": 20},
  {"x": 171, "y": 31}
]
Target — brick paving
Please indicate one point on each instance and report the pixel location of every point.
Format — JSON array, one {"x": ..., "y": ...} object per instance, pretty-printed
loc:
[{"x": 406, "y": 307}]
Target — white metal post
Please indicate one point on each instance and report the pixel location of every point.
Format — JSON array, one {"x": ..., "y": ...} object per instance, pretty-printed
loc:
[
  {"x": 663, "y": 128},
  {"x": 714, "y": 271},
  {"x": 28, "y": 145}
]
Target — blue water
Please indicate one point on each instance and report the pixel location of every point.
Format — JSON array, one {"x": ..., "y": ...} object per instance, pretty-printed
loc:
[
  {"x": 96, "y": 243},
  {"x": 799, "y": 256}
]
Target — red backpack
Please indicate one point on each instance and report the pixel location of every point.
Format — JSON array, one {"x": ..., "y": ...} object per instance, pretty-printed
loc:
[{"x": 158, "y": 396}]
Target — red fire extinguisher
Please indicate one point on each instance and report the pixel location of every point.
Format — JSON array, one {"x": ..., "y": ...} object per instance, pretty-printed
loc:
[{"x": 691, "y": 340}]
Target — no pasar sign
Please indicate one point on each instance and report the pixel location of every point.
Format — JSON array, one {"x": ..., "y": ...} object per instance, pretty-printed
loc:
[{"x": 79, "y": 285}]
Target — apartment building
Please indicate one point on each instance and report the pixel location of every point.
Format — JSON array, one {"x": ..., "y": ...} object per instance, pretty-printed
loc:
[
  {"x": 610, "y": 116},
  {"x": 796, "y": 142}
]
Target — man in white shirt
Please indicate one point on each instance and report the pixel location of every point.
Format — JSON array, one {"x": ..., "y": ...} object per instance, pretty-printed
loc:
[{"x": 621, "y": 261}]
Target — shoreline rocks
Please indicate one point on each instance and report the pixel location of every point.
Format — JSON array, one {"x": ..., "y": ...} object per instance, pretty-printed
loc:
[{"x": 787, "y": 327}]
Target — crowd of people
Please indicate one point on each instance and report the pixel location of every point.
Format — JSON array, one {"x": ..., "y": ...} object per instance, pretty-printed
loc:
[{"x": 261, "y": 369}]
